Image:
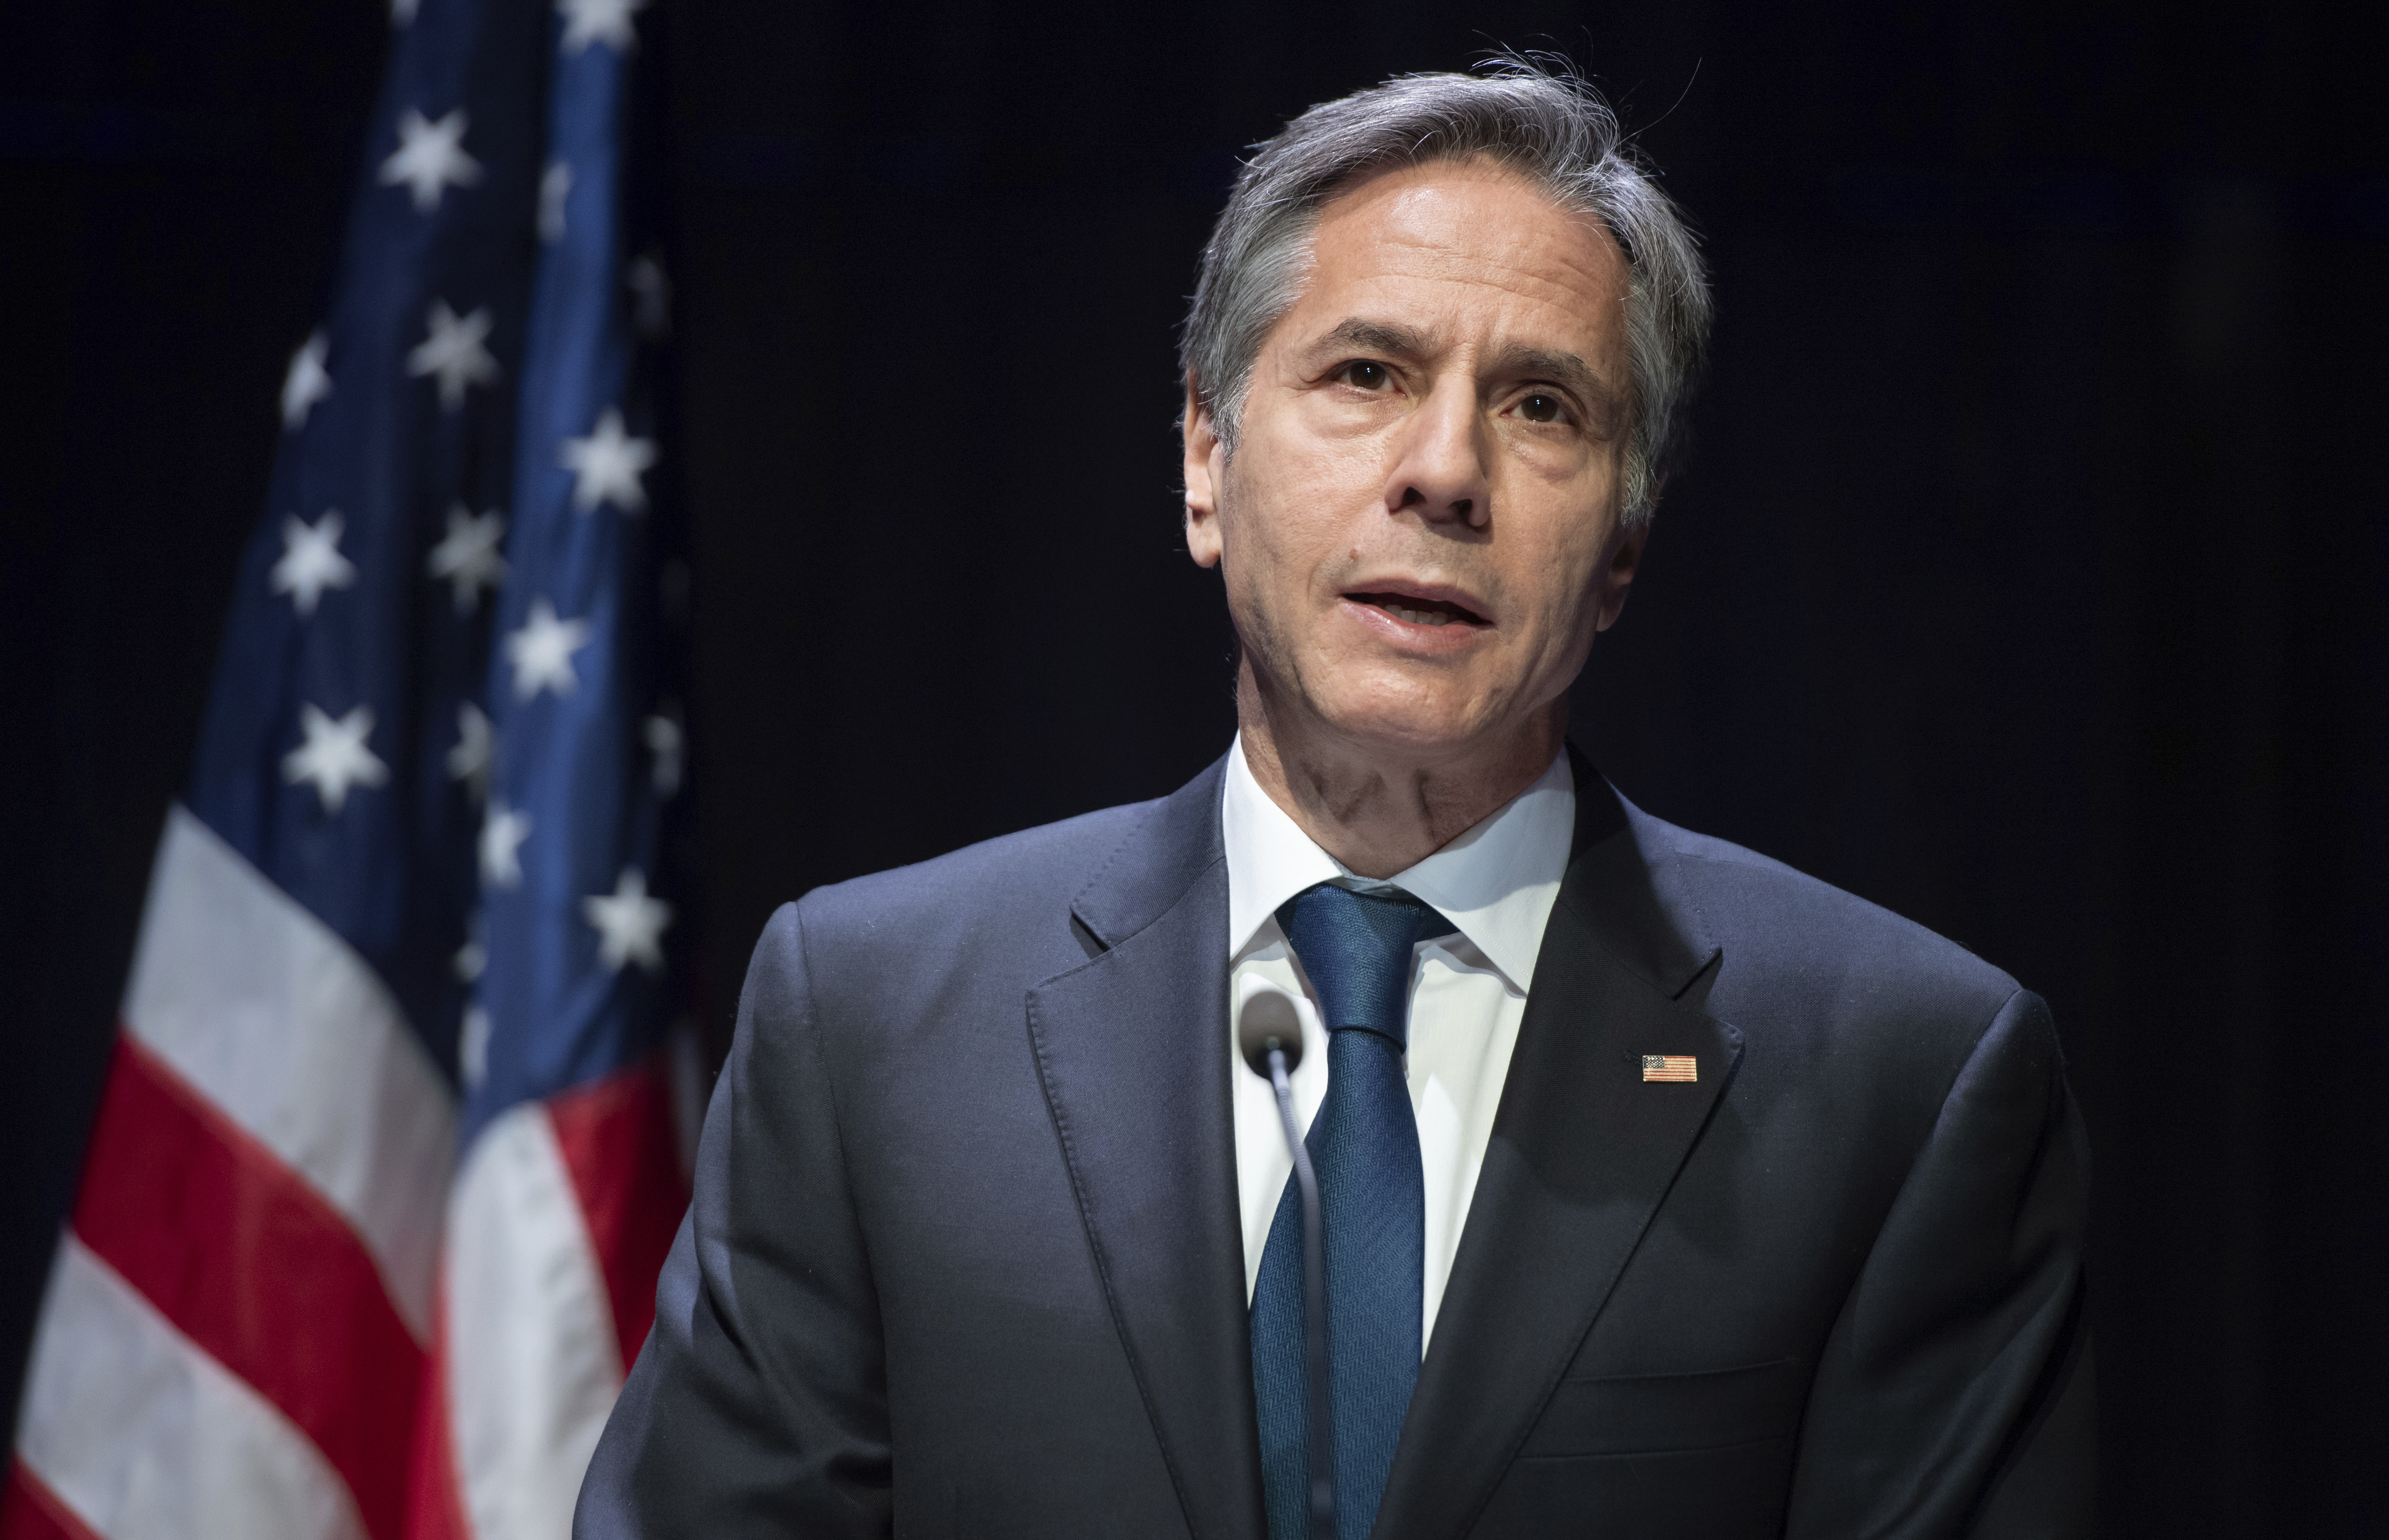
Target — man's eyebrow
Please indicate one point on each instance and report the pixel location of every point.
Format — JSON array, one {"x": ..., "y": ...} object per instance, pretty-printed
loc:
[
  {"x": 1561, "y": 367},
  {"x": 1374, "y": 337}
]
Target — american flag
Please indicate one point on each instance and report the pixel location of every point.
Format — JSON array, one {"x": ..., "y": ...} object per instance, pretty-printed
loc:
[
  {"x": 388, "y": 1154},
  {"x": 1682, "y": 1068}
]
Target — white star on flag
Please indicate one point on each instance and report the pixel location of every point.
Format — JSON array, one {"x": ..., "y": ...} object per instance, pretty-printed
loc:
[
  {"x": 452, "y": 350},
  {"x": 541, "y": 651},
  {"x": 472, "y": 959},
  {"x": 401, "y": 12},
  {"x": 651, "y": 294},
  {"x": 430, "y": 158},
  {"x": 307, "y": 382},
  {"x": 468, "y": 558},
  {"x": 606, "y": 466},
  {"x": 311, "y": 561},
  {"x": 473, "y": 1046},
  {"x": 630, "y": 924},
  {"x": 554, "y": 186},
  {"x": 607, "y": 21},
  {"x": 665, "y": 742},
  {"x": 503, "y": 833},
  {"x": 334, "y": 757},
  {"x": 469, "y": 760}
]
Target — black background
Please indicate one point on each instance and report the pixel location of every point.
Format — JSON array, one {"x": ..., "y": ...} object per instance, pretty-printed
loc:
[{"x": 2030, "y": 577}]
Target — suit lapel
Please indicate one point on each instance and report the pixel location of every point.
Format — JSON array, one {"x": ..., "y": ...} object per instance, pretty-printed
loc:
[
  {"x": 1582, "y": 1152},
  {"x": 1131, "y": 1051}
]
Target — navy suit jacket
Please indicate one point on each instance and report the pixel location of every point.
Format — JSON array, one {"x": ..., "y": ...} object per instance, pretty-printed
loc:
[{"x": 965, "y": 1256}]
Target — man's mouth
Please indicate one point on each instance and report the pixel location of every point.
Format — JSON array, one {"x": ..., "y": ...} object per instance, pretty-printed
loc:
[{"x": 1419, "y": 611}]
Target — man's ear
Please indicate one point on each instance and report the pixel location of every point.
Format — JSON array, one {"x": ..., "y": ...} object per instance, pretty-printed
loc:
[
  {"x": 1204, "y": 462},
  {"x": 1618, "y": 569}
]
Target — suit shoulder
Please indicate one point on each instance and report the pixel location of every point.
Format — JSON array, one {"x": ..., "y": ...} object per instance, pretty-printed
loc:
[{"x": 1796, "y": 930}]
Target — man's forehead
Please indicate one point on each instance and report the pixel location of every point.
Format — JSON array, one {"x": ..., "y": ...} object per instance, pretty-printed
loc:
[
  {"x": 1458, "y": 246},
  {"x": 1479, "y": 206}
]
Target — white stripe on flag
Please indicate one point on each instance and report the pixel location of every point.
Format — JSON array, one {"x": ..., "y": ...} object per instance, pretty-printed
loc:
[
  {"x": 532, "y": 1365},
  {"x": 147, "y": 1438},
  {"x": 280, "y": 1024}
]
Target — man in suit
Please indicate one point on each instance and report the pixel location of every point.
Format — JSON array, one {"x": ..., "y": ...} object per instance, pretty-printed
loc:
[{"x": 1667, "y": 1192}]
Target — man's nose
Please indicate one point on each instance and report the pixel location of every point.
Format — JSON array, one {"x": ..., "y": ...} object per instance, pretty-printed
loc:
[{"x": 1439, "y": 462}]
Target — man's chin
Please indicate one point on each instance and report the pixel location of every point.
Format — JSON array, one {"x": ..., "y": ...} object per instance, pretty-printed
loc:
[
  {"x": 1400, "y": 713},
  {"x": 1420, "y": 732}
]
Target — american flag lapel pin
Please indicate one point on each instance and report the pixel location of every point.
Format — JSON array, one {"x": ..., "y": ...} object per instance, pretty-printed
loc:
[{"x": 1671, "y": 1066}]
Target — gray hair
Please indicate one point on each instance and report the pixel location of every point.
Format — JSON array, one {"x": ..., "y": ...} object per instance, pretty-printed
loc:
[{"x": 1553, "y": 129}]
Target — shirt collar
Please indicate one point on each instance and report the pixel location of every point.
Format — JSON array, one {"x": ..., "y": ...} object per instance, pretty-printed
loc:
[{"x": 1496, "y": 883}]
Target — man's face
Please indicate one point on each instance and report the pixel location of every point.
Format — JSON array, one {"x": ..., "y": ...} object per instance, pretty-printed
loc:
[{"x": 1420, "y": 523}]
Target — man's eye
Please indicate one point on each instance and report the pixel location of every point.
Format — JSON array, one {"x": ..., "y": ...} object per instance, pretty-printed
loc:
[
  {"x": 1368, "y": 377},
  {"x": 1541, "y": 407}
]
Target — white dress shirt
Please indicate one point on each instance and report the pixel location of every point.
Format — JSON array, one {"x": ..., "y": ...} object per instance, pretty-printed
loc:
[{"x": 1496, "y": 883}]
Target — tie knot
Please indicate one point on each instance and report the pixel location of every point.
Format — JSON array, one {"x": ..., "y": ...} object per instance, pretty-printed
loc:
[{"x": 1356, "y": 948}]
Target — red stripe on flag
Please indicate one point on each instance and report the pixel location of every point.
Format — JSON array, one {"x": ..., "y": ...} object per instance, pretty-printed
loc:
[
  {"x": 435, "y": 1502},
  {"x": 620, "y": 1146},
  {"x": 257, "y": 1268},
  {"x": 29, "y": 1510}
]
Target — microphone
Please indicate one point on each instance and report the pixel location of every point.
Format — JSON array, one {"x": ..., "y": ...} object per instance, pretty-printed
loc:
[{"x": 1269, "y": 1035}]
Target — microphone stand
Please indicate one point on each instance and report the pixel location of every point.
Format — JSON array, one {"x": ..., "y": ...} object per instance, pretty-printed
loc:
[
  {"x": 1314, "y": 1315},
  {"x": 1269, "y": 1036}
]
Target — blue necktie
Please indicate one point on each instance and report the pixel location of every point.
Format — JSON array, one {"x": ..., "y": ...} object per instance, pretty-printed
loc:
[{"x": 1356, "y": 949}]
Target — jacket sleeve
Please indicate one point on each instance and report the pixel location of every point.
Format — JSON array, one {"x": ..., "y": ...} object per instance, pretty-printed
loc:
[
  {"x": 758, "y": 1405},
  {"x": 1954, "y": 1395}
]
